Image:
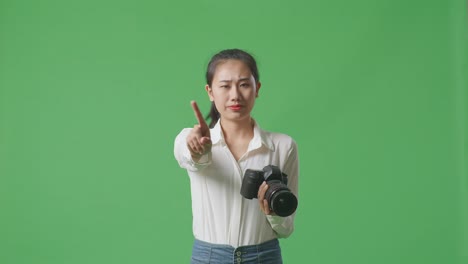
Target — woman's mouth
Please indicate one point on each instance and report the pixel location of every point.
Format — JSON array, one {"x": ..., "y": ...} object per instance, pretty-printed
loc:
[{"x": 235, "y": 107}]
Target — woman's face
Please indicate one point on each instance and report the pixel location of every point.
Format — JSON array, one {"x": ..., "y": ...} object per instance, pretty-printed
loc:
[{"x": 233, "y": 90}]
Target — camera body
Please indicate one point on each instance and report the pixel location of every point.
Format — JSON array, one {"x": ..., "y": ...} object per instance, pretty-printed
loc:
[{"x": 280, "y": 199}]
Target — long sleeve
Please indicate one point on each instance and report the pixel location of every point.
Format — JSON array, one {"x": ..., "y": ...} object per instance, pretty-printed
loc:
[
  {"x": 284, "y": 226},
  {"x": 182, "y": 153}
]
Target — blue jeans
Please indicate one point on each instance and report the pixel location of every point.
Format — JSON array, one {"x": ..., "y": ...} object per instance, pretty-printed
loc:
[{"x": 266, "y": 253}]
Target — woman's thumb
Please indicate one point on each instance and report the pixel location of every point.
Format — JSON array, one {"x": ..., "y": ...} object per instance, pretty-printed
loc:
[{"x": 205, "y": 140}]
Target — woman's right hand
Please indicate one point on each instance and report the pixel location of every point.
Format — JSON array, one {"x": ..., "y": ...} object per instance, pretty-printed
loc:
[{"x": 198, "y": 140}]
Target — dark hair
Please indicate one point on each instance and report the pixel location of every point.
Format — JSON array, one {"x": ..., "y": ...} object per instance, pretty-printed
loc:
[{"x": 222, "y": 56}]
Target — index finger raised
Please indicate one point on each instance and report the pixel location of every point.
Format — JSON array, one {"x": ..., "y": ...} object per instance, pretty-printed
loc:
[{"x": 198, "y": 114}]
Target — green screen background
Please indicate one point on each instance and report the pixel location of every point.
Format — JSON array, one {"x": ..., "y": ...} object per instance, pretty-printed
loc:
[{"x": 93, "y": 93}]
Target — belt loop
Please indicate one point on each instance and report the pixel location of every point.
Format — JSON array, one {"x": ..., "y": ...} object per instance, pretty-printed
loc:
[{"x": 258, "y": 255}]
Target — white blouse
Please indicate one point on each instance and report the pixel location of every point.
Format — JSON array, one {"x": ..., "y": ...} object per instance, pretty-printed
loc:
[{"x": 220, "y": 214}]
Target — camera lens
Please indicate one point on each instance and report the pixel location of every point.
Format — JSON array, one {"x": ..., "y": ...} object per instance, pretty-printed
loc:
[
  {"x": 280, "y": 199},
  {"x": 283, "y": 203}
]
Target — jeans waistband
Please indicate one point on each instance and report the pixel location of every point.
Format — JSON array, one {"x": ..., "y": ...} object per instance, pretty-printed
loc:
[{"x": 262, "y": 246}]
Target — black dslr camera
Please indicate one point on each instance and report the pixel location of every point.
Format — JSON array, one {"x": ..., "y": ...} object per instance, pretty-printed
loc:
[{"x": 280, "y": 199}]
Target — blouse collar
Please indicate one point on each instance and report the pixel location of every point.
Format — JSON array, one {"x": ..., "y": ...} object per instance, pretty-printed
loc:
[{"x": 260, "y": 137}]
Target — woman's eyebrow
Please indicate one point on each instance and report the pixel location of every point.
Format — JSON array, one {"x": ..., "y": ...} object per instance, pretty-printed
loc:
[{"x": 240, "y": 80}]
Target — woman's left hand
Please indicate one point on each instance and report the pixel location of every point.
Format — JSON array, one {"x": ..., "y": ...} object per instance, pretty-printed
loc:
[{"x": 261, "y": 199}]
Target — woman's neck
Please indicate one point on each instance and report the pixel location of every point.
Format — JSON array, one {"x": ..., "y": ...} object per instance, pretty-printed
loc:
[{"x": 237, "y": 130}]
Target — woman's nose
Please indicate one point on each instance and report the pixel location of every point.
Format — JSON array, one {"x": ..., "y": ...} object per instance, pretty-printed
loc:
[{"x": 234, "y": 93}]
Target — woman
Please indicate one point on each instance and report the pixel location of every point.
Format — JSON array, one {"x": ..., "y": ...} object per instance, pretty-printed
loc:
[{"x": 227, "y": 227}]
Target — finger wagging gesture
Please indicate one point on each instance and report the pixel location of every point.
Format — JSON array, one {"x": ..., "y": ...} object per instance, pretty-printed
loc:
[{"x": 198, "y": 140}]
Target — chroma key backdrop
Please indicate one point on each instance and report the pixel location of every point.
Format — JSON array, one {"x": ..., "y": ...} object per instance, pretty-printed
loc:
[{"x": 93, "y": 93}]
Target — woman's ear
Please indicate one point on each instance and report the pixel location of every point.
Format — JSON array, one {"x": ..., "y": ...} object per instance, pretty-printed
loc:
[
  {"x": 259, "y": 84},
  {"x": 210, "y": 92}
]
